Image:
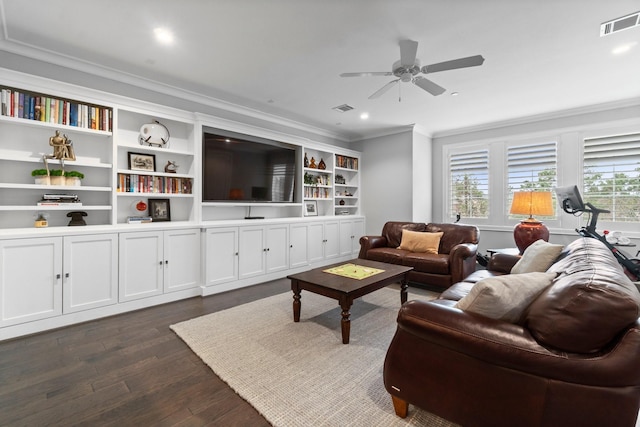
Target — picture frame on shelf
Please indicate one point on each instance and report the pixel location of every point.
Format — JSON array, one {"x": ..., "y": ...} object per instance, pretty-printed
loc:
[
  {"x": 141, "y": 161},
  {"x": 310, "y": 208},
  {"x": 160, "y": 210}
]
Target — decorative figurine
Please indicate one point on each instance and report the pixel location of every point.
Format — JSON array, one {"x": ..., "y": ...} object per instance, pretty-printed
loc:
[
  {"x": 306, "y": 161},
  {"x": 62, "y": 147},
  {"x": 313, "y": 165},
  {"x": 322, "y": 164},
  {"x": 41, "y": 220},
  {"x": 171, "y": 167}
]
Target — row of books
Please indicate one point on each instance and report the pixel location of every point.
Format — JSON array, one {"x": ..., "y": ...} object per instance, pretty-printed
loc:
[
  {"x": 132, "y": 183},
  {"x": 139, "y": 219},
  {"x": 316, "y": 193},
  {"x": 30, "y": 106},
  {"x": 346, "y": 162}
]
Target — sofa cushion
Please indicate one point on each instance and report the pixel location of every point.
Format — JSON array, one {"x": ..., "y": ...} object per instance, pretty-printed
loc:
[
  {"x": 392, "y": 231},
  {"x": 389, "y": 255},
  {"x": 588, "y": 305},
  {"x": 427, "y": 263},
  {"x": 423, "y": 242},
  {"x": 505, "y": 297},
  {"x": 537, "y": 257}
]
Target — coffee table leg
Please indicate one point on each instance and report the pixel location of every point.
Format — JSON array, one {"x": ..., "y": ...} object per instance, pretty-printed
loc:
[
  {"x": 345, "y": 323},
  {"x": 296, "y": 303},
  {"x": 404, "y": 286}
]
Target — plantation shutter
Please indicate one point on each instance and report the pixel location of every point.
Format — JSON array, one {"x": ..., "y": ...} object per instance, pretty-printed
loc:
[
  {"x": 612, "y": 176},
  {"x": 469, "y": 184},
  {"x": 531, "y": 167}
]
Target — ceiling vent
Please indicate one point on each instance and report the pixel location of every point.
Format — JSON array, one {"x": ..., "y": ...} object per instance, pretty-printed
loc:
[
  {"x": 620, "y": 24},
  {"x": 343, "y": 108}
]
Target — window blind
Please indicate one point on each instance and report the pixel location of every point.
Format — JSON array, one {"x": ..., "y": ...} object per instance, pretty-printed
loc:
[{"x": 469, "y": 184}]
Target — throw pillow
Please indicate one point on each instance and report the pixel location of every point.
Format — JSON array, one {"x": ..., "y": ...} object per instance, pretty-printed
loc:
[
  {"x": 418, "y": 241},
  {"x": 505, "y": 297},
  {"x": 537, "y": 257}
]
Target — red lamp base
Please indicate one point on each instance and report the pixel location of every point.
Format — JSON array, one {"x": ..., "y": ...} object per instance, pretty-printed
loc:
[{"x": 529, "y": 231}]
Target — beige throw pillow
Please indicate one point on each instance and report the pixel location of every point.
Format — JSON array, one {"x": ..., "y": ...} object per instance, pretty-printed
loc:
[
  {"x": 537, "y": 257},
  {"x": 419, "y": 241},
  {"x": 505, "y": 297}
]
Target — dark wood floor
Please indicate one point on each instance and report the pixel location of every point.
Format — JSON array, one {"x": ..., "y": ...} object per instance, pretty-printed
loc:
[{"x": 124, "y": 370}]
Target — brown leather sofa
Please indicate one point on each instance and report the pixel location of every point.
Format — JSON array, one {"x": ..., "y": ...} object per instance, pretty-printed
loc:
[
  {"x": 455, "y": 260},
  {"x": 574, "y": 359}
]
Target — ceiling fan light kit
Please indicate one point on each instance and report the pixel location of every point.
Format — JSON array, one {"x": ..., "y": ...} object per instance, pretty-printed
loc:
[{"x": 408, "y": 67}]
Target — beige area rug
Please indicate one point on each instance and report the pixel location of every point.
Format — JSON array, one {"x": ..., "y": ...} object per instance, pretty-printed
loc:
[{"x": 300, "y": 374}]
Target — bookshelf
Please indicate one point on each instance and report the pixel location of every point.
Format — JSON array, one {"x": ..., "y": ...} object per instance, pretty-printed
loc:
[{"x": 347, "y": 185}]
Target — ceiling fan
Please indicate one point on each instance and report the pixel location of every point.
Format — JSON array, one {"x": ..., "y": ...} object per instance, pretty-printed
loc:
[{"x": 408, "y": 68}]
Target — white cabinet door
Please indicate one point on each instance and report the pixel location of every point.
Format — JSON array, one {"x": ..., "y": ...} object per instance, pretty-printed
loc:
[
  {"x": 331, "y": 239},
  {"x": 90, "y": 272},
  {"x": 316, "y": 242},
  {"x": 141, "y": 265},
  {"x": 277, "y": 244},
  {"x": 298, "y": 245},
  {"x": 357, "y": 231},
  {"x": 350, "y": 232},
  {"x": 30, "y": 279},
  {"x": 221, "y": 251},
  {"x": 252, "y": 252},
  {"x": 181, "y": 259}
]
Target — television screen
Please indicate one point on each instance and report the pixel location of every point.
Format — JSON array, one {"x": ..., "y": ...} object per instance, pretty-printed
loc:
[{"x": 243, "y": 168}]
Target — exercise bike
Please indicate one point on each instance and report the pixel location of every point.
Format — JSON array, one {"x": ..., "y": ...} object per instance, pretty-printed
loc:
[{"x": 572, "y": 204}]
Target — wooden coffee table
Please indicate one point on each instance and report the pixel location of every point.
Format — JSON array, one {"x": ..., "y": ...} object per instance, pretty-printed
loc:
[{"x": 345, "y": 289}]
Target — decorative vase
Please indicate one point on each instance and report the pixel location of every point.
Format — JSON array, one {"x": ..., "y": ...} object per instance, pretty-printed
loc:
[
  {"x": 73, "y": 181},
  {"x": 58, "y": 180},
  {"x": 306, "y": 161},
  {"x": 42, "y": 180},
  {"x": 322, "y": 165}
]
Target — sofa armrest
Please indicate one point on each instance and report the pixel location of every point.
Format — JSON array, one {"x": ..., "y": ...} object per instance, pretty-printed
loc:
[
  {"x": 502, "y": 263},
  {"x": 511, "y": 346},
  {"x": 462, "y": 261},
  {"x": 370, "y": 242}
]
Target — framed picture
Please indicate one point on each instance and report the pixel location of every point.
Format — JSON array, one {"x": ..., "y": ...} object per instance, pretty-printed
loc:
[
  {"x": 142, "y": 162},
  {"x": 160, "y": 209},
  {"x": 310, "y": 208}
]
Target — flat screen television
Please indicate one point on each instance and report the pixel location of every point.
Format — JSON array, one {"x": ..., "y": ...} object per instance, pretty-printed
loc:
[{"x": 245, "y": 168}]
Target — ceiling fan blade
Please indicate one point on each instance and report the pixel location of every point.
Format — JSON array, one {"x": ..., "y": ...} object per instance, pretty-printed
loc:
[
  {"x": 408, "y": 52},
  {"x": 470, "y": 61},
  {"x": 429, "y": 86},
  {"x": 384, "y": 88},
  {"x": 367, "y": 74}
]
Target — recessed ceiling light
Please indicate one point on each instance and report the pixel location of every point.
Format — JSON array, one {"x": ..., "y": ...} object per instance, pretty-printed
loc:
[
  {"x": 163, "y": 35},
  {"x": 624, "y": 48},
  {"x": 454, "y": 93},
  {"x": 364, "y": 116}
]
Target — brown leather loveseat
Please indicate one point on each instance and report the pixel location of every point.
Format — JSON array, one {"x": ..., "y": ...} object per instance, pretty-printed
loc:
[
  {"x": 455, "y": 258},
  {"x": 571, "y": 358}
]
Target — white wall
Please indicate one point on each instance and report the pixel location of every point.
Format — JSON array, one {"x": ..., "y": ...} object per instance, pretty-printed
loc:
[
  {"x": 423, "y": 182},
  {"x": 387, "y": 179}
]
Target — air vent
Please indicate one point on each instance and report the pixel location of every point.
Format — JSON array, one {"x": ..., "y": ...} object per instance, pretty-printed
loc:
[
  {"x": 343, "y": 108},
  {"x": 620, "y": 24}
]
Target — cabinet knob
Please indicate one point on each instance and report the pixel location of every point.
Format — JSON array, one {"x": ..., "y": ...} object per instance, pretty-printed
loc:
[
  {"x": 166, "y": 261},
  {"x": 58, "y": 276},
  {"x": 66, "y": 275},
  {"x": 161, "y": 262},
  {"x": 291, "y": 246},
  {"x": 236, "y": 253},
  {"x": 267, "y": 249}
]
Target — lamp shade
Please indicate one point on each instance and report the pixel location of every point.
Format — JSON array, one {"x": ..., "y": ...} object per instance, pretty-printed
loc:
[{"x": 532, "y": 203}]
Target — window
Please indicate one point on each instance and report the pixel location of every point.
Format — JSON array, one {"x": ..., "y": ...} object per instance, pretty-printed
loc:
[
  {"x": 469, "y": 184},
  {"x": 612, "y": 176},
  {"x": 530, "y": 167}
]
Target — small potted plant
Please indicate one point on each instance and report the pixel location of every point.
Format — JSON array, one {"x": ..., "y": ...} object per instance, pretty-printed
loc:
[
  {"x": 72, "y": 178},
  {"x": 41, "y": 177},
  {"x": 57, "y": 177}
]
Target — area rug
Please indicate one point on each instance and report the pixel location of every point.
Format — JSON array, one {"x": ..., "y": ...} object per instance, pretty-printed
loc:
[{"x": 300, "y": 374}]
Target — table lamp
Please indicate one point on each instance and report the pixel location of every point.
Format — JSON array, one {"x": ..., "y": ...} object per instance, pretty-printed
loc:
[{"x": 531, "y": 203}]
